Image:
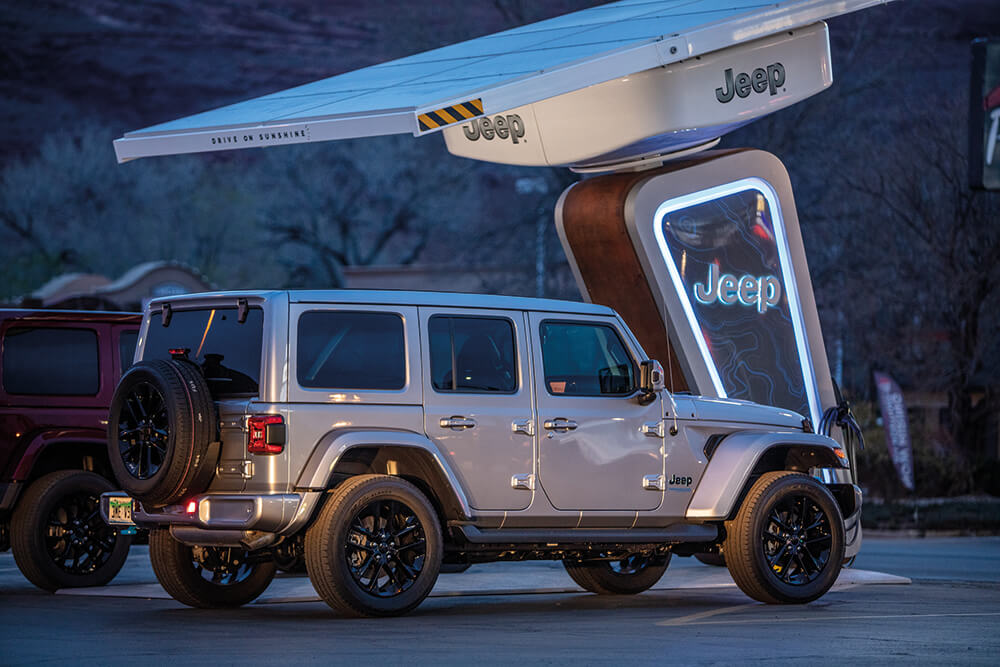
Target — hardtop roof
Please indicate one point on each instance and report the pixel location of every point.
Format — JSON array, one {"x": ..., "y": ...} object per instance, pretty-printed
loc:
[
  {"x": 54, "y": 315},
  {"x": 395, "y": 298}
]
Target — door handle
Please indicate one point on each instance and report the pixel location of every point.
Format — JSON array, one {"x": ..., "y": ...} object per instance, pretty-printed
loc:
[
  {"x": 457, "y": 422},
  {"x": 560, "y": 424}
]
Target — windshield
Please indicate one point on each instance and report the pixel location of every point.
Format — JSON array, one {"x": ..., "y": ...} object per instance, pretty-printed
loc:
[{"x": 227, "y": 352}]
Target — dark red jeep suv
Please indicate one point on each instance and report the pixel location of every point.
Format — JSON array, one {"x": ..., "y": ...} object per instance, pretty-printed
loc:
[{"x": 58, "y": 371}]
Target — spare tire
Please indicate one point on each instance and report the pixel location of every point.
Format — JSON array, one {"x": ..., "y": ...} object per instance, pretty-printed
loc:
[{"x": 161, "y": 432}]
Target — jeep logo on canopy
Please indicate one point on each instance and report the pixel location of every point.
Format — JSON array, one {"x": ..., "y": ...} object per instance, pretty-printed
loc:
[
  {"x": 761, "y": 79},
  {"x": 503, "y": 127}
]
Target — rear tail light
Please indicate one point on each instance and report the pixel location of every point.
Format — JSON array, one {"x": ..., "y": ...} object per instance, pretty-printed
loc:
[{"x": 265, "y": 434}]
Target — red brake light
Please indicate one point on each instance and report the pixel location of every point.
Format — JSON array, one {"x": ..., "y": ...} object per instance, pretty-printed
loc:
[
  {"x": 265, "y": 434},
  {"x": 192, "y": 507}
]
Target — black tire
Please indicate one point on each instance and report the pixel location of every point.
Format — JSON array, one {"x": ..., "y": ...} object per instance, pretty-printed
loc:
[
  {"x": 375, "y": 548},
  {"x": 160, "y": 426},
  {"x": 786, "y": 543},
  {"x": 58, "y": 536},
  {"x": 212, "y": 577},
  {"x": 630, "y": 575},
  {"x": 712, "y": 558}
]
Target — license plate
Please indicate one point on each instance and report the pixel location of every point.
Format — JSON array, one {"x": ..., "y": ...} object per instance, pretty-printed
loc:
[{"x": 120, "y": 510}]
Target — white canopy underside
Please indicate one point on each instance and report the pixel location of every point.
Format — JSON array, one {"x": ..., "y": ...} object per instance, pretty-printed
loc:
[{"x": 426, "y": 92}]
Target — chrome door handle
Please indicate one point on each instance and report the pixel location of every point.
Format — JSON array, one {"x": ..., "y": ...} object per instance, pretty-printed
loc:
[
  {"x": 457, "y": 422},
  {"x": 560, "y": 424}
]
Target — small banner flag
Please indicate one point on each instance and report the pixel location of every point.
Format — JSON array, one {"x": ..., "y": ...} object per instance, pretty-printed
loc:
[{"x": 897, "y": 431}]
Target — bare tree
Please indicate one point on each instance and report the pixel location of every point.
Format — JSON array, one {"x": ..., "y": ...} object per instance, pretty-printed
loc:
[
  {"x": 358, "y": 204},
  {"x": 933, "y": 246}
]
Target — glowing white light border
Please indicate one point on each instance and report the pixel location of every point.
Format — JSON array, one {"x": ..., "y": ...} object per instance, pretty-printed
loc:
[{"x": 787, "y": 271}]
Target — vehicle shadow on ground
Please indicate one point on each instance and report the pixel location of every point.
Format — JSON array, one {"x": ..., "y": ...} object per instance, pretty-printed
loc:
[{"x": 672, "y": 603}]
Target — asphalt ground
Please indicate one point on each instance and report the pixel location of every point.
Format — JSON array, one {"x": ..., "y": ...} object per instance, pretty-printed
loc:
[{"x": 527, "y": 613}]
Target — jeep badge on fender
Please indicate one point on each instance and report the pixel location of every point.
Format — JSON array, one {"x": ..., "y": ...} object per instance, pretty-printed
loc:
[{"x": 759, "y": 80}]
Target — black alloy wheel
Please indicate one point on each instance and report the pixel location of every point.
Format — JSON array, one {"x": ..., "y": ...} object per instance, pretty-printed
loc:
[
  {"x": 618, "y": 574},
  {"x": 143, "y": 430},
  {"x": 386, "y": 548},
  {"x": 375, "y": 547},
  {"x": 796, "y": 539},
  {"x": 162, "y": 432},
  {"x": 208, "y": 577},
  {"x": 786, "y": 542},
  {"x": 58, "y": 536},
  {"x": 77, "y": 539},
  {"x": 221, "y": 566}
]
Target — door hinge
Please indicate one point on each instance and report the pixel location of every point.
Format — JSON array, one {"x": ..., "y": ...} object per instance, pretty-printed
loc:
[
  {"x": 523, "y": 482},
  {"x": 653, "y": 429},
  {"x": 235, "y": 468},
  {"x": 525, "y": 426},
  {"x": 654, "y": 482}
]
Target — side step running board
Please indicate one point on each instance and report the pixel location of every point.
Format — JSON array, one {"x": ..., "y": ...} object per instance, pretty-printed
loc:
[{"x": 680, "y": 532}]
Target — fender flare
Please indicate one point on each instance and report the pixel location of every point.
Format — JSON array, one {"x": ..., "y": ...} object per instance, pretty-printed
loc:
[
  {"x": 732, "y": 463},
  {"x": 331, "y": 447},
  {"x": 49, "y": 438}
]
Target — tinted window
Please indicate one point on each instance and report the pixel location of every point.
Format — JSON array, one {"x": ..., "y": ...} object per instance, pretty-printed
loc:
[
  {"x": 585, "y": 360},
  {"x": 51, "y": 362},
  {"x": 227, "y": 352},
  {"x": 348, "y": 350},
  {"x": 474, "y": 354},
  {"x": 126, "y": 348}
]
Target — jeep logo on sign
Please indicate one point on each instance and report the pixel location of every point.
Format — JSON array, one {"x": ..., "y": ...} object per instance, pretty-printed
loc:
[
  {"x": 503, "y": 127},
  {"x": 761, "y": 79},
  {"x": 748, "y": 290}
]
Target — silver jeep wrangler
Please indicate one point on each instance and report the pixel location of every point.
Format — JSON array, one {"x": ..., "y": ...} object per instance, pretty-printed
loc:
[{"x": 381, "y": 436}]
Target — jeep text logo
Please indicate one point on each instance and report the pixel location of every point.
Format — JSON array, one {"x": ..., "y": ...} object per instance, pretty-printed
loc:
[
  {"x": 504, "y": 127},
  {"x": 747, "y": 290},
  {"x": 759, "y": 80}
]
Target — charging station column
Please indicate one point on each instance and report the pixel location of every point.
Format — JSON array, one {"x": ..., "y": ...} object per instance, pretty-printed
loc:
[{"x": 703, "y": 257}]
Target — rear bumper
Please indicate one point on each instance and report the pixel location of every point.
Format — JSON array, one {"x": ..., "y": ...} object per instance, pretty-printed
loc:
[{"x": 277, "y": 513}]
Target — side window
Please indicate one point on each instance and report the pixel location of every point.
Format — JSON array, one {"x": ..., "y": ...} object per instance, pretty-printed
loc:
[
  {"x": 126, "y": 348},
  {"x": 585, "y": 360},
  {"x": 351, "y": 350},
  {"x": 51, "y": 362},
  {"x": 472, "y": 354}
]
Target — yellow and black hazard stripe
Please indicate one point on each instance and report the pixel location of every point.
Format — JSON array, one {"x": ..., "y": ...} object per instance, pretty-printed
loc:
[{"x": 448, "y": 115}]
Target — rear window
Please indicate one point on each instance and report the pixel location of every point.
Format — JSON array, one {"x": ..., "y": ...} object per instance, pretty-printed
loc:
[
  {"x": 227, "y": 352},
  {"x": 44, "y": 361},
  {"x": 351, "y": 350}
]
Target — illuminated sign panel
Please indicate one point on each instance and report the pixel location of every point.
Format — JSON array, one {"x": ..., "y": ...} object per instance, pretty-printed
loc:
[{"x": 727, "y": 254}]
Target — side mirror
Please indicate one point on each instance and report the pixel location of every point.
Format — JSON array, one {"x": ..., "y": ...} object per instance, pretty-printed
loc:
[{"x": 651, "y": 380}]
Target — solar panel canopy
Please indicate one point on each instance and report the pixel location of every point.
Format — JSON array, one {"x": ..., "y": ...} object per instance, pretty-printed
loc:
[{"x": 430, "y": 91}]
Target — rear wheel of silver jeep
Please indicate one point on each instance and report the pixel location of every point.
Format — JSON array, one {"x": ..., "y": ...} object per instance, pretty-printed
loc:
[
  {"x": 207, "y": 577},
  {"x": 375, "y": 548},
  {"x": 628, "y": 575},
  {"x": 786, "y": 544}
]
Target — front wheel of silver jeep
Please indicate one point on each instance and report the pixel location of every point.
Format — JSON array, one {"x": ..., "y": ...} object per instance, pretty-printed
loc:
[
  {"x": 786, "y": 543},
  {"x": 207, "y": 577},
  {"x": 375, "y": 548},
  {"x": 627, "y": 574}
]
